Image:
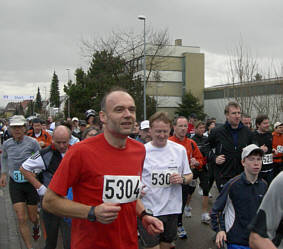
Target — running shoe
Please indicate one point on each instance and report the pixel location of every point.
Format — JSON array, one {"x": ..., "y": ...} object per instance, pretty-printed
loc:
[
  {"x": 36, "y": 233},
  {"x": 182, "y": 234},
  {"x": 205, "y": 218},
  {"x": 187, "y": 211}
]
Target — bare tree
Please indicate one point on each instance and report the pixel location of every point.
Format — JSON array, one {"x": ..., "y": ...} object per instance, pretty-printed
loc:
[
  {"x": 128, "y": 45},
  {"x": 243, "y": 70}
]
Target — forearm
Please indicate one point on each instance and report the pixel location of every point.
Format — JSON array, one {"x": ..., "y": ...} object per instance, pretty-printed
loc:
[
  {"x": 258, "y": 242},
  {"x": 31, "y": 178},
  {"x": 139, "y": 207},
  {"x": 61, "y": 206},
  {"x": 4, "y": 164},
  {"x": 188, "y": 178}
]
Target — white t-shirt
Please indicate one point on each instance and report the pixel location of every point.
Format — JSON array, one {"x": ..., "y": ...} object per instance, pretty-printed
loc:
[
  {"x": 162, "y": 197},
  {"x": 34, "y": 163}
]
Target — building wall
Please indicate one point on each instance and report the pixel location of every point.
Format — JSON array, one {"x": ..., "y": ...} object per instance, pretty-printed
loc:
[{"x": 194, "y": 74}]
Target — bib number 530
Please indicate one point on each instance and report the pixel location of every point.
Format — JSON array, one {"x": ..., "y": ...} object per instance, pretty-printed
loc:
[{"x": 121, "y": 189}]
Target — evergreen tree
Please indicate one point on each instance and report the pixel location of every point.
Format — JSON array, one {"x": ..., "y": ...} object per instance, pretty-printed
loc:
[
  {"x": 54, "y": 91},
  {"x": 190, "y": 104},
  {"x": 105, "y": 72},
  {"x": 38, "y": 102},
  {"x": 30, "y": 109}
]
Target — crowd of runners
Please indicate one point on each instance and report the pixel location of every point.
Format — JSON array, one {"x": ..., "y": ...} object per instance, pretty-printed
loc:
[{"x": 108, "y": 180}]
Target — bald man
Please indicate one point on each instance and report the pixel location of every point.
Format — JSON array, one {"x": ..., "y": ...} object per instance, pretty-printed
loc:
[
  {"x": 105, "y": 175},
  {"x": 46, "y": 162}
]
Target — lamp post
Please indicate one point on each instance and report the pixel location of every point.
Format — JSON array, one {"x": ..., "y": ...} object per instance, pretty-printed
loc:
[
  {"x": 68, "y": 70},
  {"x": 141, "y": 17}
]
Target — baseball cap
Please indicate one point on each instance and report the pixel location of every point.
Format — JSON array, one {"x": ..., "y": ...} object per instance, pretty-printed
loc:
[
  {"x": 144, "y": 124},
  {"x": 75, "y": 119},
  {"x": 17, "y": 120},
  {"x": 277, "y": 124},
  {"x": 249, "y": 149},
  {"x": 82, "y": 123}
]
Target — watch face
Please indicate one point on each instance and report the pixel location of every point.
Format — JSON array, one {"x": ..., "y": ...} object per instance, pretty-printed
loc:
[{"x": 148, "y": 211}]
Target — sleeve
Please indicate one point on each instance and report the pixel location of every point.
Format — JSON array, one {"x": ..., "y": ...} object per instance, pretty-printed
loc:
[
  {"x": 36, "y": 146},
  {"x": 34, "y": 163},
  {"x": 186, "y": 165},
  {"x": 68, "y": 172},
  {"x": 4, "y": 160},
  {"x": 270, "y": 212},
  {"x": 212, "y": 146},
  {"x": 48, "y": 140},
  {"x": 217, "y": 213},
  {"x": 197, "y": 154}
]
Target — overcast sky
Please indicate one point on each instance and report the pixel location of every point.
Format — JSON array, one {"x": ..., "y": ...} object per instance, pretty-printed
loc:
[{"x": 38, "y": 37}]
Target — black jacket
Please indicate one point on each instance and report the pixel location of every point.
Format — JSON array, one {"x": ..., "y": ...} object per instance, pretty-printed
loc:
[
  {"x": 264, "y": 139},
  {"x": 221, "y": 141}
]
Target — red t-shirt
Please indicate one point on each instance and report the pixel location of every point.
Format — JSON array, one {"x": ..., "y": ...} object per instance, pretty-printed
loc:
[{"x": 83, "y": 168}]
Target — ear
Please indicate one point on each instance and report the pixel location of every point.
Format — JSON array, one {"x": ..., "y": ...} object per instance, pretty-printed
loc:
[
  {"x": 242, "y": 161},
  {"x": 103, "y": 117}
]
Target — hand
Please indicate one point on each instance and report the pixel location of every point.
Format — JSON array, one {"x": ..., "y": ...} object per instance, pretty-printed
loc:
[
  {"x": 3, "y": 180},
  {"x": 41, "y": 143},
  {"x": 107, "y": 212},
  {"x": 275, "y": 151},
  {"x": 194, "y": 162},
  {"x": 220, "y": 238},
  {"x": 176, "y": 179},
  {"x": 41, "y": 190},
  {"x": 264, "y": 148},
  {"x": 220, "y": 159},
  {"x": 152, "y": 225},
  {"x": 143, "y": 191}
]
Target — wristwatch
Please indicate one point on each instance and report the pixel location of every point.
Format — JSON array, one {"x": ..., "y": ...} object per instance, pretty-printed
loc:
[
  {"x": 91, "y": 216},
  {"x": 146, "y": 212}
]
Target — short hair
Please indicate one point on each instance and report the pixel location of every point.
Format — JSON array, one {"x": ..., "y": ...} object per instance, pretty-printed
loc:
[
  {"x": 199, "y": 123},
  {"x": 260, "y": 118},
  {"x": 176, "y": 119},
  {"x": 244, "y": 115},
  {"x": 113, "y": 89},
  {"x": 160, "y": 116},
  {"x": 231, "y": 104},
  {"x": 209, "y": 122},
  {"x": 36, "y": 121},
  {"x": 68, "y": 124},
  {"x": 87, "y": 130}
]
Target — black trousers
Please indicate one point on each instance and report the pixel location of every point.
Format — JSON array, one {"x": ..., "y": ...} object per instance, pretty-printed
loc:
[{"x": 52, "y": 224}]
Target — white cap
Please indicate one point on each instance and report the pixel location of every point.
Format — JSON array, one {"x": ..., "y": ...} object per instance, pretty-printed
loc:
[
  {"x": 249, "y": 149},
  {"x": 75, "y": 119},
  {"x": 144, "y": 124},
  {"x": 277, "y": 124},
  {"x": 17, "y": 120}
]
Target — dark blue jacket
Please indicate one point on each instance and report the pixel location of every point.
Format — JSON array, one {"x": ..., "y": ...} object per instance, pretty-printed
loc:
[{"x": 235, "y": 208}]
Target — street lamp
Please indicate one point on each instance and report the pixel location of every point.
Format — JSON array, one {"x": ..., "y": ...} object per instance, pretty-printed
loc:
[
  {"x": 142, "y": 17},
  {"x": 68, "y": 70}
]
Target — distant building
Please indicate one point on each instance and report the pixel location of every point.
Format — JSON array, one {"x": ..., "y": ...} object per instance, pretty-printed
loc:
[
  {"x": 174, "y": 70},
  {"x": 261, "y": 96}
]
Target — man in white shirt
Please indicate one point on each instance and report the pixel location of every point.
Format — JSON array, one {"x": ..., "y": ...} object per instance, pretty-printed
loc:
[{"x": 166, "y": 167}]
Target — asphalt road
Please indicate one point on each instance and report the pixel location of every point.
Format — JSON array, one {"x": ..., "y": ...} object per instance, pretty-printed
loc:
[{"x": 199, "y": 235}]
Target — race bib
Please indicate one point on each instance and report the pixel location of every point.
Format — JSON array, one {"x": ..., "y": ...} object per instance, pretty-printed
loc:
[
  {"x": 267, "y": 159},
  {"x": 121, "y": 189},
  {"x": 280, "y": 149},
  {"x": 161, "y": 178},
  {"x": 18, "y": 177}
]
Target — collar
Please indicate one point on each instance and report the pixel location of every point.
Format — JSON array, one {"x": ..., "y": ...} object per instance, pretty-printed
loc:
[
  {"x": 246, "y": 181},
  {"x": 228, "y": 125}
]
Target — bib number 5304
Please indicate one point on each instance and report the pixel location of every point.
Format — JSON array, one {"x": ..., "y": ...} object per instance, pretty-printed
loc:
[{"x": 121, "y": 189}]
